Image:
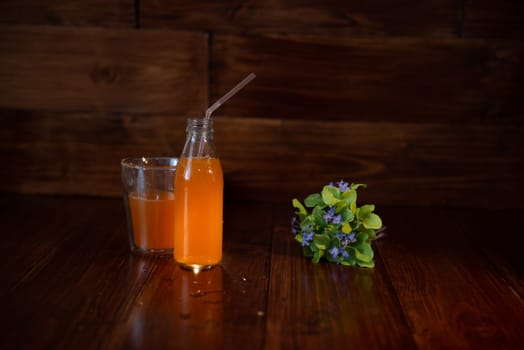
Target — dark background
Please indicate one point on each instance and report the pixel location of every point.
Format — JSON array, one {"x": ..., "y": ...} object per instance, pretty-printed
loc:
[{"x": 421, "y": 100}]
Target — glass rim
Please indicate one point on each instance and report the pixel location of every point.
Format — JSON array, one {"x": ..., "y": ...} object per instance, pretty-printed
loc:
[{"x": 141, "y": 163}]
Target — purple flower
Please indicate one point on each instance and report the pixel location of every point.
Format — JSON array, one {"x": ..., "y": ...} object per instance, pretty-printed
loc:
[
  {"x": 307, "y": 237},
  {"x": 345, "y": 239},
  {"x": 329, "y": 215},
  {"x": 342, "y": 185},
  {"x": 294, "y": 225},
  {"x": 334, "y": 252}
]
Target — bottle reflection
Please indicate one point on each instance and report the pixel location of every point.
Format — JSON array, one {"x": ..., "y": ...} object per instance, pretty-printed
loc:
[
  {"x": 185, "y": 305},
  {"x": 198, "y": 304}
]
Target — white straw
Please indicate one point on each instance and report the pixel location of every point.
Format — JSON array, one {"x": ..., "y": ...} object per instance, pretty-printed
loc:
[{"x": 227, "y": 96}]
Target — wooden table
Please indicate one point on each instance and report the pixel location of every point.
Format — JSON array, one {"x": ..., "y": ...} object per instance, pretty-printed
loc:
[{"x": 444, "y": 278}]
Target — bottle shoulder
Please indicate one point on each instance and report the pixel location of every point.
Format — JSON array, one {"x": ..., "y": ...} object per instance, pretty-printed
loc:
[
  {"x": 199, "y": 169},
  {"x": 199, "y": 162}
]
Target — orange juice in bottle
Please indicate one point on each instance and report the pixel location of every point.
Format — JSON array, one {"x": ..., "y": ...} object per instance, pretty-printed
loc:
[{"x": 199, "y": 188}]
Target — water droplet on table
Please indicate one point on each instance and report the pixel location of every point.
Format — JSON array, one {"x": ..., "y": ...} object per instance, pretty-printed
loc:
[{"x": 198, "y": 293}]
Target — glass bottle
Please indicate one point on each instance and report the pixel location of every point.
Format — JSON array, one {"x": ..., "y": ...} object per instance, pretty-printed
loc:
[{"x": 199, "y": 187}]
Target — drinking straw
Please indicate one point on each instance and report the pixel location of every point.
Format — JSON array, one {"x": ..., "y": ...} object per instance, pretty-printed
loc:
[
  {"x": 227, "y": 96},
  {"x": 221, "y": 101}
]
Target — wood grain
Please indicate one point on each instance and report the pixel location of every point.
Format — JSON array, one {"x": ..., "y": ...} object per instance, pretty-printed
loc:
[
  {"x": 69, "y": 281},
  {"x": 494, "y": 19},
  {"x": 217, "y": 309},
  {"x": 107, "y": 13},
  {"x": 335, "y": 17},
  {"x": 374, "y": 78},
  {"x": 78, "y": 254},
  {"x": 422, "y": 164},
  {"x": 81, "y": 69},
  {"x": 73, "y": 283},
  {"x": 504, "y": 254},
  {"x": 452, "y": 296},
  {"x": 80, "y": 153},
  {"x": 327, "y": 305},
  {"x": 263, "y": 159}
]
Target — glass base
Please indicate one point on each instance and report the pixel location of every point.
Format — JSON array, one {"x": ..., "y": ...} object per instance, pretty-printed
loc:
[
  {"x": 156, "y": 252},
  {"x": 196, "y": 268}
]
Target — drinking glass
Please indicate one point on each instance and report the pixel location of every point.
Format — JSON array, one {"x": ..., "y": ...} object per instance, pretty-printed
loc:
[{"x": 149, "y": 202}]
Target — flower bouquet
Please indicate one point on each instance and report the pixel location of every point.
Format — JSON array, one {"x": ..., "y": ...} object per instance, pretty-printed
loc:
[{"x": 336, "y": 228}]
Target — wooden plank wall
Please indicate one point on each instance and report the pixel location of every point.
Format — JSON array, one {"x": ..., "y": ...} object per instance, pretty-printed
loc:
[{"x": 421, "y": 100}]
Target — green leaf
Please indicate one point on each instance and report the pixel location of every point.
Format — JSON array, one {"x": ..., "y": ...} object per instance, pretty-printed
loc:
[
  {"x": 308, "y": 253},
  {"x": 321, "y": 241},
  {"x": 313, "y": 200},
  {"x": 369, "y": 231},
  {"x": 298, "y": 238},
  {"x": 346, "y": 228},
  {"x": 349, "y": 197},
  {"x": 370, "y": 264},
  {"x": 317, "y": 255},
  {"x": 362, "y": 238},
  {"x": 330, "y": 195},
  {"x": 317, "y": 216},
  {"x": 339, "y": 207},
  {"x": 306, "y": 223},
  {"x": 352, "y": 255},
  {"x": 347, "y": 214},
  {"x": 365, "y": 210},
  {"x": 364, "y": 253},
  {"x": 372, "y": 221},
  {"x": 356, "y": 186},
  {"x": 301, "y": 211},
  {"x": 368, "y": 218}
]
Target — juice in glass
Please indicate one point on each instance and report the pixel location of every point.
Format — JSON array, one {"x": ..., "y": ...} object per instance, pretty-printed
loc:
[
  {"x": 149, "y": 202},
  {"x": 153, "y": 219},
  {"x": 198, "y": 210}
]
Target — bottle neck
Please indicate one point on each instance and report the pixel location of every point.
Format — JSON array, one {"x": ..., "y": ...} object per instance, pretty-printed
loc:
[
  {"x": 200, "y": 127},
  {"x": 199, "y": 142}
]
